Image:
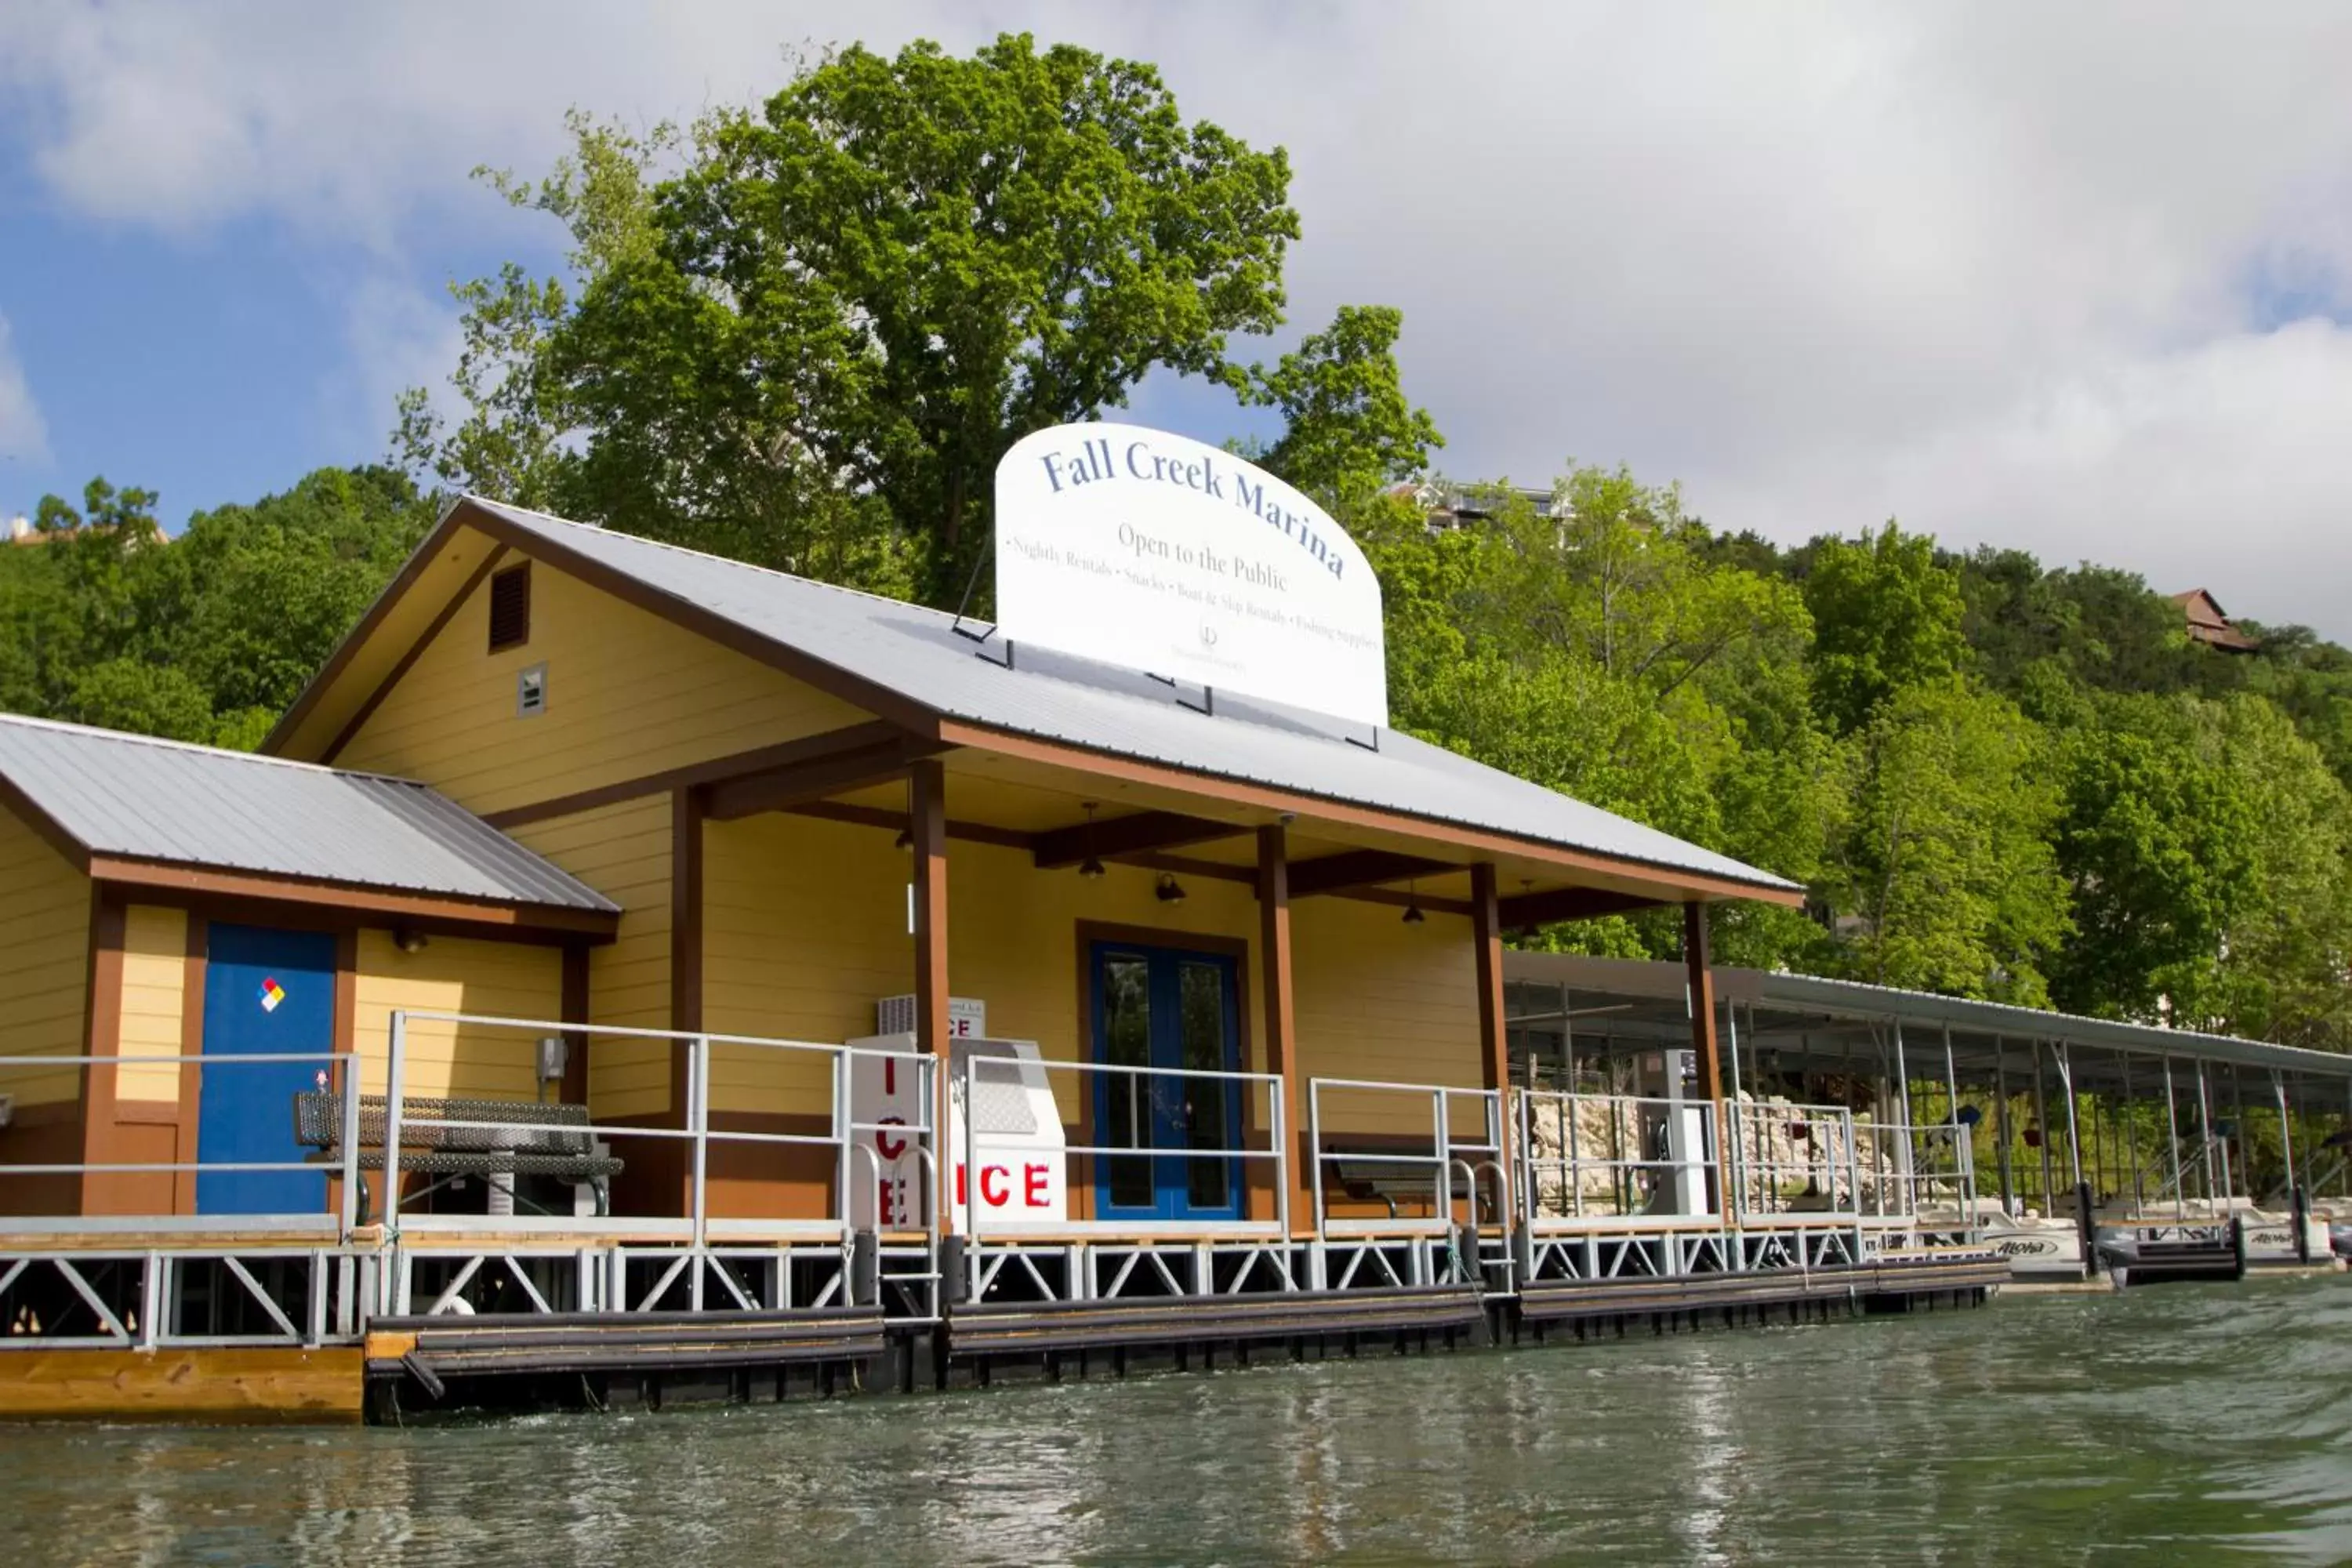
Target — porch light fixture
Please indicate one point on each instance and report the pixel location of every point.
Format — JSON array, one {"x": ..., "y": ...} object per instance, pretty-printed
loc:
[
  {"x": 1170, "y": 890},
  {"x": 1412, "y": 915},
  {"x": 408, "y": 941},
  {"x": 1090, "y": 867}
]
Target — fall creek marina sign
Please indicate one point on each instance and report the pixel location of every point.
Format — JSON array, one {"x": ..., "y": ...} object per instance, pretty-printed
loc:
[{"x": 1154, "y": 552}]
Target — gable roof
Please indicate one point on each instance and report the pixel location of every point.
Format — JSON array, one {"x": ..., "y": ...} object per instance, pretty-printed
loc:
[
  {"x": 2209, "y": 623},
  {"x": 910, "y": 664},
  {"x": 103, "y": 796}
]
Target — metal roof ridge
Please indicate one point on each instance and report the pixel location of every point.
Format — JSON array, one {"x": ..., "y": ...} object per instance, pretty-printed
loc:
[
  {"x": 719, "y": 560},
  {"x": 99, "y": 732}
]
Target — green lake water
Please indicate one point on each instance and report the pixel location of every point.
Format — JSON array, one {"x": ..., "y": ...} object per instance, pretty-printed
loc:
[{"x": 2175, "y": 1424}]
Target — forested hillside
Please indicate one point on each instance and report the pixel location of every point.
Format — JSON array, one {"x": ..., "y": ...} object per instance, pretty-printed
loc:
[{"x": 802, "y": 333}]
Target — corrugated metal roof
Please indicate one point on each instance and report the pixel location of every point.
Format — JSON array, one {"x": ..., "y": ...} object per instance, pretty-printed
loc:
[
  {"x": 146, "y": 799},
  {"x": 1588, "y": 978},
  {"x": 913, "y": 651}
]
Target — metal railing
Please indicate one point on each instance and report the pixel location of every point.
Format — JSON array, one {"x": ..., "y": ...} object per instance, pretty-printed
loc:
[
  {"x": 851, "y": 1143},
  {"x": 1913, "y": 1169},
  {"x": 1587, "y": 1157},
  {"x": 1790, "y": 1159},
  {"x": 1449, "y": 1158},
  {"x": 1082, "y": 1165},
  {"x": 333, "y": 1066}
]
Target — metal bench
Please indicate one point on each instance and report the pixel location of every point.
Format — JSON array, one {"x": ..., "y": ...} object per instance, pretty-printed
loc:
[{"x": 494, "y": 1145}]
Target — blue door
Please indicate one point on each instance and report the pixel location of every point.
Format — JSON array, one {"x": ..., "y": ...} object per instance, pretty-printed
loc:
[
  {"x": 267, "y": 993},
  {"x": 1164, "y": 1008}
]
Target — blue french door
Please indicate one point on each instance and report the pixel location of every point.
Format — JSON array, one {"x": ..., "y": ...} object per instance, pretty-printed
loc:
[
  {"x": 267, "y": 993},
  {"x": 1166, "y": 1008}
]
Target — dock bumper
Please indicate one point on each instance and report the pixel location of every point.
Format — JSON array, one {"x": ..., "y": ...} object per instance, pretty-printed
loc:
[
  {"x": 1014, "y": 1329},
  {"x": 433, "y": 1351},
  {"x": 1884, "y": 1280}
]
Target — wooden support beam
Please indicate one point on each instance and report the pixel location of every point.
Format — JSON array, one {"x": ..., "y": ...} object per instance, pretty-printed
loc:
[
  {"x": 1281, "y": 1017},
  {"x": 1360, "y": 867},
  {"x": 927, "y": 799},
  {"x": 1528, "y": 911},
  {"x": 795, "y": 784},
  {"x": 1132, "y": 835},
  {"x": 1697, "y": 960},
  {"x": 1493, "y": 1041}
]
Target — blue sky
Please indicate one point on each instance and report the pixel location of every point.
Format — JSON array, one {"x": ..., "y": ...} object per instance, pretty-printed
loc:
[{"x": 2068, "y": 280}]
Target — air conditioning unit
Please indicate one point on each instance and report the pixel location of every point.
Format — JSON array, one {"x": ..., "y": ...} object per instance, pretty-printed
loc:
[{"x": 967, "y": 1019}]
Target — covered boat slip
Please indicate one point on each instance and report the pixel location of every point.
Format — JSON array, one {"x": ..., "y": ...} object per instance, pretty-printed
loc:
[{"x": 2066, "y": 1144}]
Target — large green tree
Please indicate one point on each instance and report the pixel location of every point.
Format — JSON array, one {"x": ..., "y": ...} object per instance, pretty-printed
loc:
[
  {"x": 1944, "y": 875},
  {"x": 2156, "y": 840},
  {"x": 1886, "y": 616},
  {"x": 809, "y": 340}
]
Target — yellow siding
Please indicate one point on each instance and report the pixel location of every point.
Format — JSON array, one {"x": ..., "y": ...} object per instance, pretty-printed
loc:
[
  {"x": 44, "y": 963},
  {"x": 627, "y": 694},
  {"x": 804, "y": 928},
  {"x": 452, "y": 975},
  {"x": 1380, "y": 1000},
  {"x": 623, "y": 851},
  {"x": 154, "y": 992}
]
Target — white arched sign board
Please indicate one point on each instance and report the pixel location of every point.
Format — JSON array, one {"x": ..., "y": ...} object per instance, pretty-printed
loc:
[{"x": 1154, "y": 552}]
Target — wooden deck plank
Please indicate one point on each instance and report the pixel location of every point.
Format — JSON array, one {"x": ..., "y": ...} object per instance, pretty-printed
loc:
[{"x": 242, "y": 1385}]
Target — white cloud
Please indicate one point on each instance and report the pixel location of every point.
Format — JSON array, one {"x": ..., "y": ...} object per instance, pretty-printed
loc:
[
  {"x": 2000, "y": 269},
  {"x": 24, "y": 434}
]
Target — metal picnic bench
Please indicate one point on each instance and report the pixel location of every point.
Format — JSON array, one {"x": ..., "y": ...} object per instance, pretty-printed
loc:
[{"x": 428, "y": 1146}]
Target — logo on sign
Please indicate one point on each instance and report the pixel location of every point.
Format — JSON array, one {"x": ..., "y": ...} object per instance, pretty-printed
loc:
[
  {"x": 1155, "y": 552},
  {"x": 272, "y": 994}
]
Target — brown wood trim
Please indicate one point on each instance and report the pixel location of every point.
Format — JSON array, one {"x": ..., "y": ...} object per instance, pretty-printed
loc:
[
  {"x": 926, "y": 811},
  {"x": 1697, "y": 962},
  {"x": 686, "y": 840},
  {"x": 450, "y": 526},
  {"x": 898, "y": 822},
  {"x": 51, "y": 830},
  {"x": 781, "y": 789},
  {"x": 101, "y": 1031},
  {"x": 147, "y": 1114},
  {"x": 407, "y": 661},
  {"x": 830, "y": 743},
  {"x": 1494, "y": 1037},
  {"x": 1528, "y": 911},
  {"x": 1133, "y": 834},
  {"x": 573, "y": 1009},
  {"x": 149, "y": 875},
  {"x": 1281, "y": 1013},
  {"x": 1360, "y": 867},
  {"x": 826, "y": 676},
  {"x": 1263, "y": 798},
  {"x": 192, "y": 1043}
]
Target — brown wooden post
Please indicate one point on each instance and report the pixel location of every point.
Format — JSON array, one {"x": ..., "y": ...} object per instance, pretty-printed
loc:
[
  {"x": 1699, "y": 963},
  {"x": 676, "y": 1156},
  {"x": 1494, "y": 1039},
  {"x": 1281, "y": 1017},
  {"x": 927, "y": 813}
]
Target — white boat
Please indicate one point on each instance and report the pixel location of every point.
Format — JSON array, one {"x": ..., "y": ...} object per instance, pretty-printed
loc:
[{"x": 2037, "y": 1248}]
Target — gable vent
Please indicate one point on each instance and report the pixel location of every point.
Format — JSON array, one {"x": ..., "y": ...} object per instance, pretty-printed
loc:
[{"x": 510, "y": 607}]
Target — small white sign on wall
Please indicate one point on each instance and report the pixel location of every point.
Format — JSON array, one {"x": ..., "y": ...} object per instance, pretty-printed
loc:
[{"x": 1158, "y": 554}]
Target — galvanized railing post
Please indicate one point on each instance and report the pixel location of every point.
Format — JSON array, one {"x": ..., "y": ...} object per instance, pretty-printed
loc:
[
  {"x": 699, "y": 1114},
  {"x": 351, "y": 1213},
  {"x": 1315, "y": 1152},
  {"x": 395, "y": 1085},
  {"x": 845, "y": 1132}
]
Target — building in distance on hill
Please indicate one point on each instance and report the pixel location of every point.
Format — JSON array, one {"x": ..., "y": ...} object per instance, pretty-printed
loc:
[{"x": 2209, "y": 625}]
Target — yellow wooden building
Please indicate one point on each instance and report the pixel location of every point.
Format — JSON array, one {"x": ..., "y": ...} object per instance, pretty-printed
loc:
[{"x": 558, "y": 774}]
